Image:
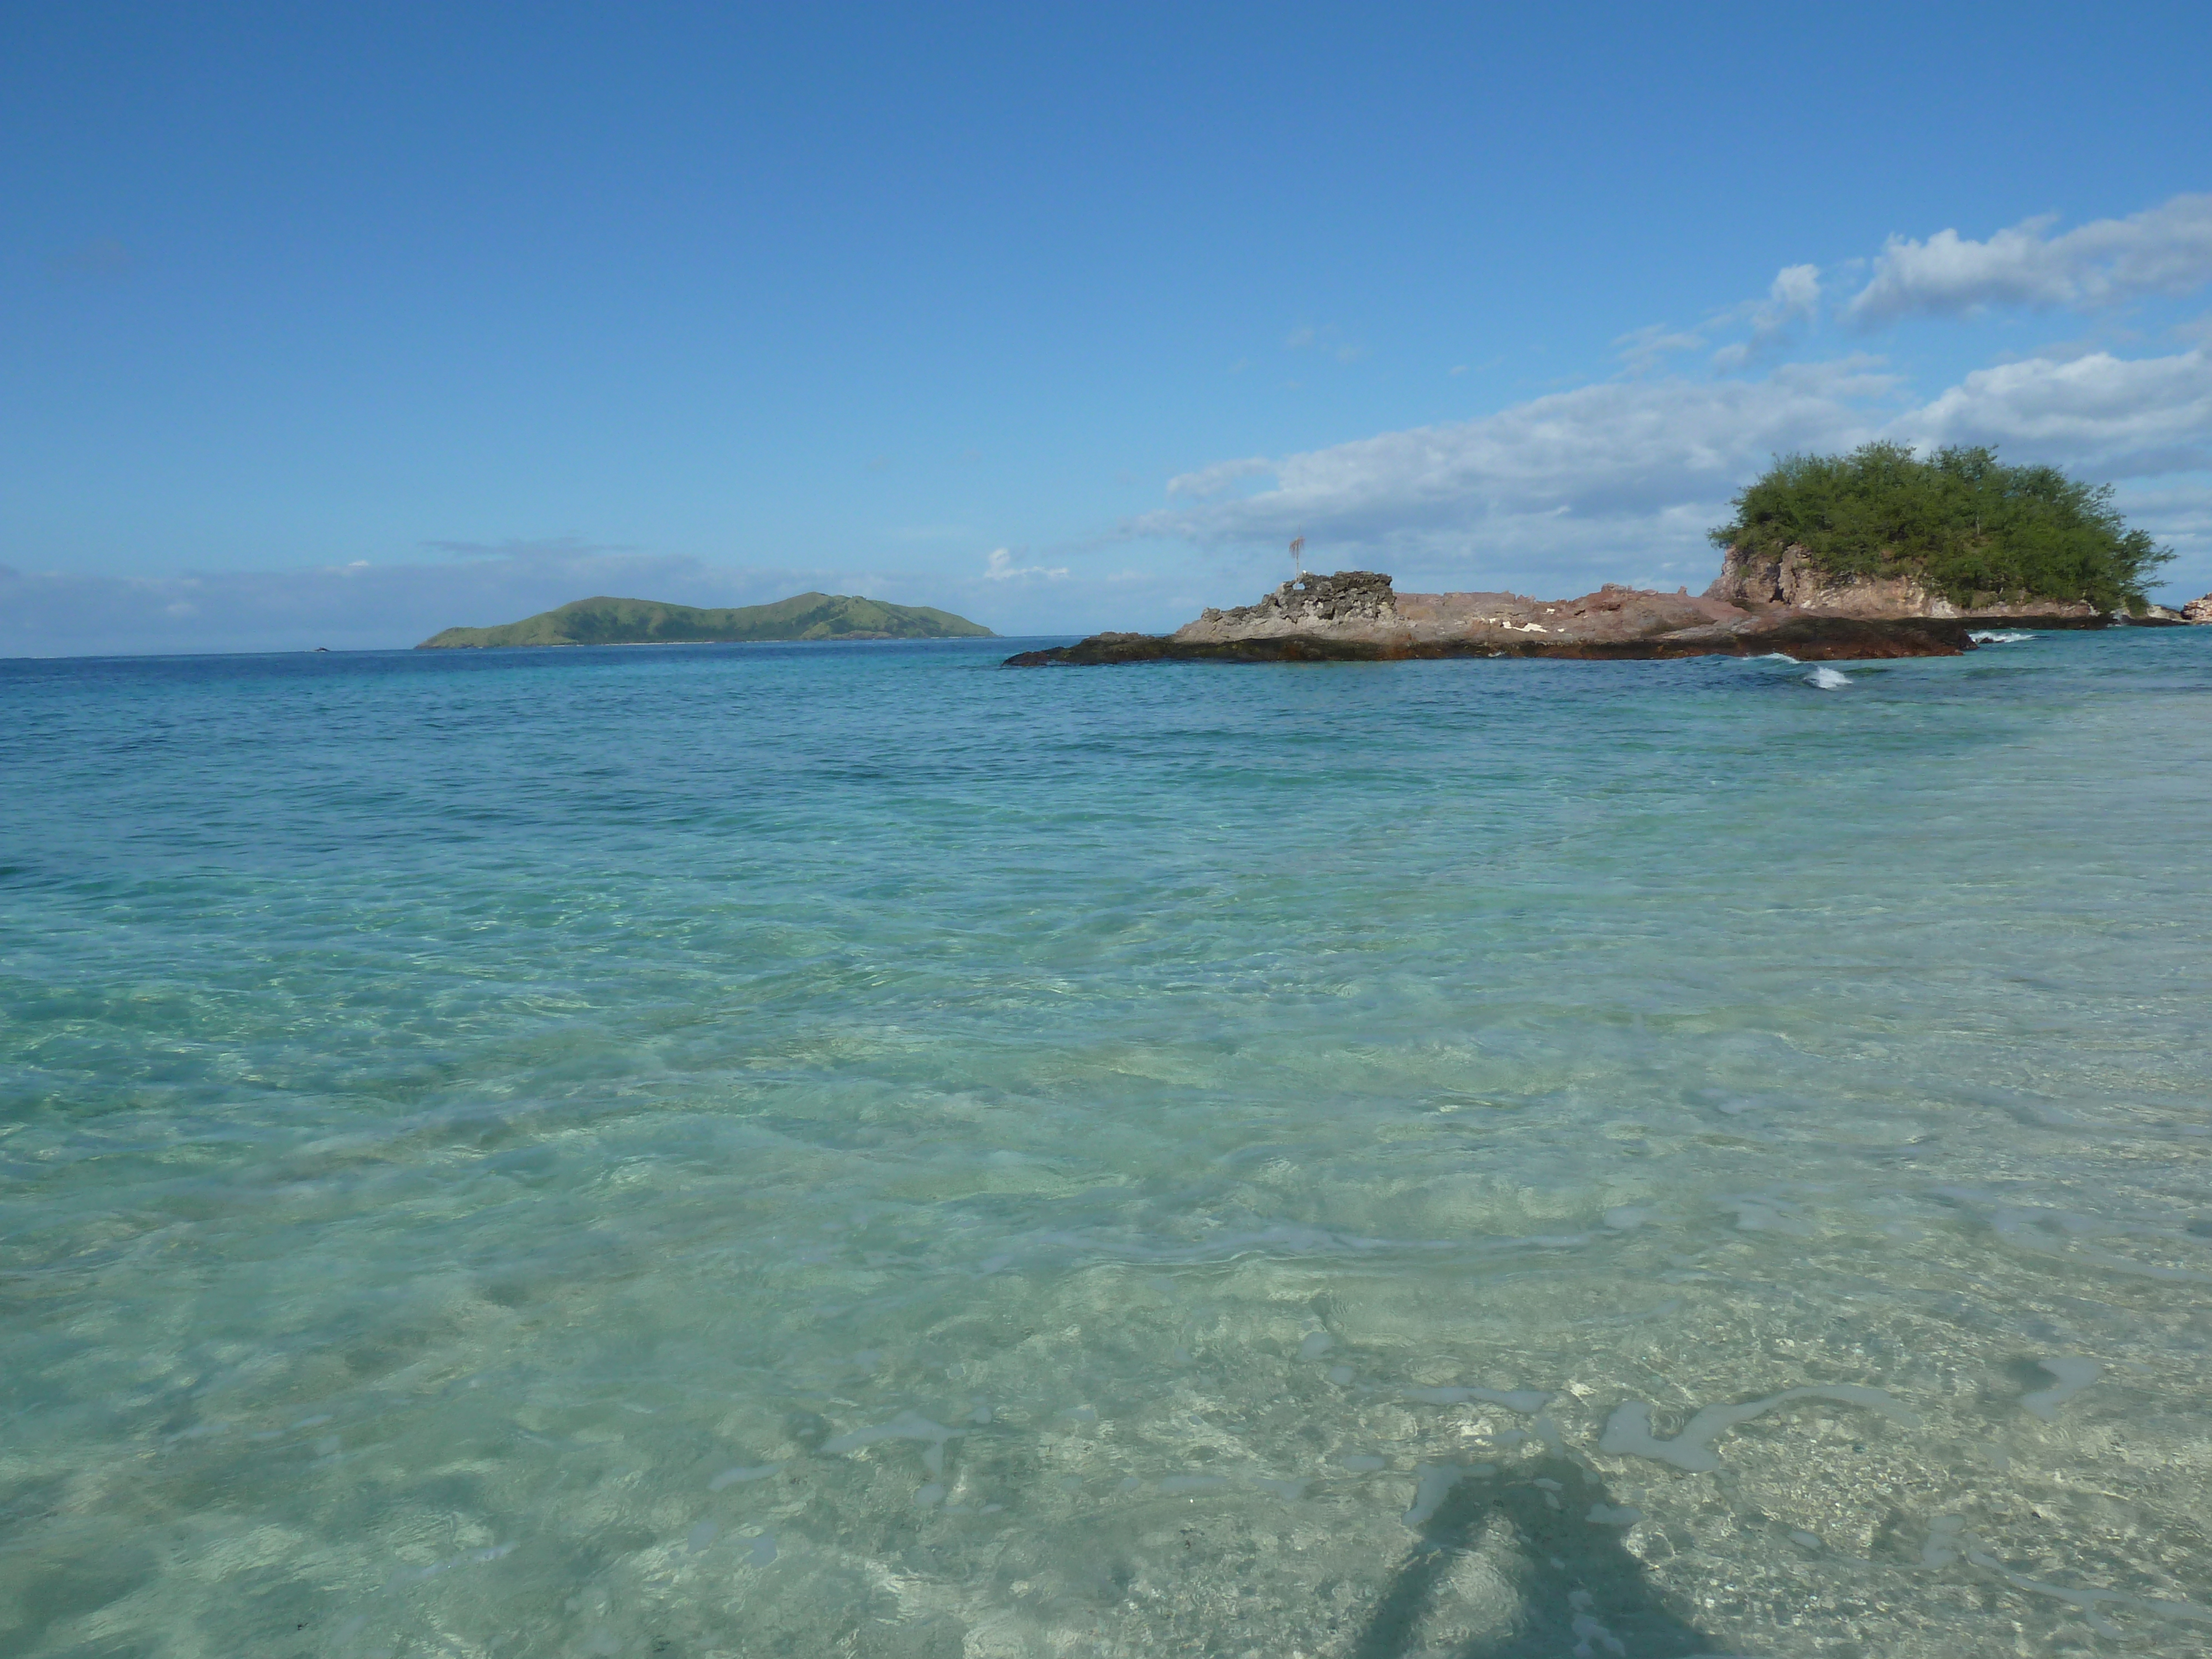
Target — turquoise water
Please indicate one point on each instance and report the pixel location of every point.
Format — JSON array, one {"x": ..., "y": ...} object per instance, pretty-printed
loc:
[{"x": 850, "y": 1150}]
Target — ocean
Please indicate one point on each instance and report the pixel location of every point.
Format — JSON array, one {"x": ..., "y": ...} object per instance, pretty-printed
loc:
[{"x": 850, "y": 1150}]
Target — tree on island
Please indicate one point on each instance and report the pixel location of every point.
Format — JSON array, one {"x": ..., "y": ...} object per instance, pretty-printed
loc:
[{"x": 1962, "y": 522}]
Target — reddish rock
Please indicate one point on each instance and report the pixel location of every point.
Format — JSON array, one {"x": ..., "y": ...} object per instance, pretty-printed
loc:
[
  {"x": 1357, "y": 616},
  {"x": 1790, "y": 578}
]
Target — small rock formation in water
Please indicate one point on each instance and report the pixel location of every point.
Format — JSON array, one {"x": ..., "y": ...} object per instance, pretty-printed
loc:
[
  {"x": 1357, "y": 615},
  {"x": 1757, "y": 605},
  {"x": 1793, "y": 578}
]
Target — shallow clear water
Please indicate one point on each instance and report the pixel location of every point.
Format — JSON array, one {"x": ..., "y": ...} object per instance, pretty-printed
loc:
[{"x": 832, "y": 1150}]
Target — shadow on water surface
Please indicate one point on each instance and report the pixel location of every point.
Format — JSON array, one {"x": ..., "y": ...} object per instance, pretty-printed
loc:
[{"x": 1511, "y": 1564}]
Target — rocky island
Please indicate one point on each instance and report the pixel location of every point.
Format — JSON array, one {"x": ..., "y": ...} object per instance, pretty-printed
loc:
[
  {"x": 603, "y": 621},
  {"x": 1876, "y": 554},
  {"x": 1356, "y": 616}
]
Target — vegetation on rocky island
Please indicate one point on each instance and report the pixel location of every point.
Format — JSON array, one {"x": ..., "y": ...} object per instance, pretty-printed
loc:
[
  {"x": 647, "y": 621},
  {"x": 1962, "y": 522}
]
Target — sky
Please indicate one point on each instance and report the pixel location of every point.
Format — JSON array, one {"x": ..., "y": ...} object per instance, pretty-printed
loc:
[{"x": 337, "y": 325}]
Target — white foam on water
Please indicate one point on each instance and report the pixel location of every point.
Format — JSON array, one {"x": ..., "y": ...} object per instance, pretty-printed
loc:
[
  {"x": 1666, "y": 1310},
  {"x": 1431, "y": 1483},
  {"x": 2075, "y": 1372},
  {"x": 1828, "y": 679},
  {"x": 1588, "y": 1631},
  {"x": 1526, "y": 1401},
  {"x": 439, "y": 1569},
  {"x": 1628, "y": 1431},
  {"x": 1947, "y": 1537},
  {"x": 2087, "y": 1601},
  {"x": 907, "y": 1426},
  {"x": 732, "y": 1477},
  {"x": 1997, "y": 637},
  {"x": 2061, "y": 1235},
  {"x": 1174, "y": 1484}
]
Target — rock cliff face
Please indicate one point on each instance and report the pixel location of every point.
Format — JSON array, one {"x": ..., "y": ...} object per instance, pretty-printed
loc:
[
  {"x": 2198, "y": 611},
  {"x": 1791, "y": 579}
]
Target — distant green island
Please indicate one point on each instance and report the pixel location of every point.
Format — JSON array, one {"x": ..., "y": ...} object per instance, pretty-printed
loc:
[{"x": 605, "y": 620}]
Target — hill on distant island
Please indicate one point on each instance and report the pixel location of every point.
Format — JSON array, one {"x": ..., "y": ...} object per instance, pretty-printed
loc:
[{"x": 605, "y": 620}]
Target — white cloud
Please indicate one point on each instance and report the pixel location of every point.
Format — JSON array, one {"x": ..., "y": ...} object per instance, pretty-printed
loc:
[
  {"x": 1795, "y": 290},
  {"x": 381, "y": 606},
  {"x": 1794, "y": 297},
  {"x": 2135, "y": 417},
  {"x": 1641, "y": 351},
  {"x": 2179, "y": 515},
  {"x": 373, "y": 606},
  {"x": 1571, "y": 476},
  {"x": 1329, "y": 338},
  {"x": 2165, "y": 250},
  {"x": 1620, "y": 481},
  {"x": 1212, "y": 480},
  {"x": 998, "y": 566}
]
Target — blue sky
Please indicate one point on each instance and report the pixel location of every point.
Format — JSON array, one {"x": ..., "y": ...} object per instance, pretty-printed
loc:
[{"x": 337, "y": 325}]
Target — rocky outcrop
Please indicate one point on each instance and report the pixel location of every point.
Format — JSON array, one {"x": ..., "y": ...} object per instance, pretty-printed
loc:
[
  {"x": 1356, "y": 616},
  {"x": 1791, "y": 578},
  {"x": 2197, "y": 610},
  {"x": 1751, "y": 579},
  {"x": 1350, "y": 598}
]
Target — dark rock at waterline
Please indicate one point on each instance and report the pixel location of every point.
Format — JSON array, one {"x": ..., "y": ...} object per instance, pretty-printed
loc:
[
  {"x": 1808, "y": 639},
  {"x": 1356, "y": 616}
]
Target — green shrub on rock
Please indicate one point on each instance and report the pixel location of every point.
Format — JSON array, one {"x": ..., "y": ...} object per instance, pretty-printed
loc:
[{"x": 1964, "y": 524}]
